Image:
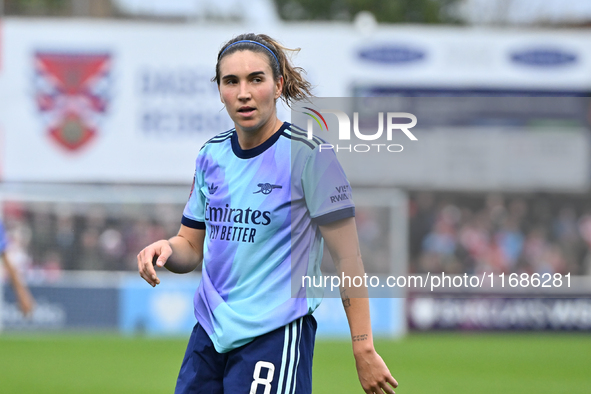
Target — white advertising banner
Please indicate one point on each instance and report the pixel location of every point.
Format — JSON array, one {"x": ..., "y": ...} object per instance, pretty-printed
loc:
[
  {"x": 130, "y": 102},
  {"x": 106, "y": 102}
]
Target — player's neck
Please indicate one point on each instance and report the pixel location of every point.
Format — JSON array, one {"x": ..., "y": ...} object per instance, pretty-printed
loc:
[{"x": 249, "y": 139}]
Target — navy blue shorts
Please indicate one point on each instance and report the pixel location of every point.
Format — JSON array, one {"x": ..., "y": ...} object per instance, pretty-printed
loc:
[{"x": 279, "y": 362}]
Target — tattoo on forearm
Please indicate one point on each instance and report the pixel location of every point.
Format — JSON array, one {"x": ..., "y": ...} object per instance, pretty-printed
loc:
[
  {"x": 345, "y": 298},
  {"x": 357, "y": 338}
]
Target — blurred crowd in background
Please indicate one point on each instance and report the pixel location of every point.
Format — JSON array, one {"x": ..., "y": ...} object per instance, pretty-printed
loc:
[
  {"x": 47, "y": 238},
  {"x": 448, "y": 232},
  {"x": 461, "y": 233}
]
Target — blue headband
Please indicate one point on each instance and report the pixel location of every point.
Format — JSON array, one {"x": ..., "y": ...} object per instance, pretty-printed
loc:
[{"x": 252, "y": 42}]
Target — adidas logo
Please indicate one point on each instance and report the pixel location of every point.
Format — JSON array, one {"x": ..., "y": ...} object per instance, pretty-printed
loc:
[{"x": 212, "y": 188}]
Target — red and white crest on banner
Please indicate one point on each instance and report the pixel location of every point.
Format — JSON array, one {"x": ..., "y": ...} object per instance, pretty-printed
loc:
[{"x": 72, "y": 95}]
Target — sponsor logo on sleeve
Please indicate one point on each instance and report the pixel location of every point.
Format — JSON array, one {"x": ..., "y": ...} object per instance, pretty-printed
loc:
[{"x": 343, "y": 194}]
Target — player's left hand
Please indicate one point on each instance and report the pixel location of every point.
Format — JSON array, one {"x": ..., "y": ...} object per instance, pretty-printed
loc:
[{"x": 374, "y": 375}]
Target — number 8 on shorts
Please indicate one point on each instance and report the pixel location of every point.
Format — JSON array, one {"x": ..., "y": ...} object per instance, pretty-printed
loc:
[{"x": 262, "y": 381}]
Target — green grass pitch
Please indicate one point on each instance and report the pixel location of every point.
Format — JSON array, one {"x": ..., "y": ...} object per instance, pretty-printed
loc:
[{"x": 423, "y": 363}]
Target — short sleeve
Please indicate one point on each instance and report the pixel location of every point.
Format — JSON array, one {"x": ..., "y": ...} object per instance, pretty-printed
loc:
[
  {"x": 326, "y": 188},
  {"x": 194, "y": 212}
]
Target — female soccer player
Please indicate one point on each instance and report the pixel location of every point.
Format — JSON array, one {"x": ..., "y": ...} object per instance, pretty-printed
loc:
[
  {"x": 258, "y": 210},
  {"x": 23, "y": 295}
]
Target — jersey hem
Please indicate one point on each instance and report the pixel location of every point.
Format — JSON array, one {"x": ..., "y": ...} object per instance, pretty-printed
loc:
[
  {"x": 334, "y": 216},
  {"x": 196, "y": 224}
]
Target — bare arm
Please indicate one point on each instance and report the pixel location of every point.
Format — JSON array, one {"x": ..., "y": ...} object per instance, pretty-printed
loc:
[
  {"x": 23, "y": 295},
  {"x": 342, "y": 242},
  {"x": 180, "y": 254}
]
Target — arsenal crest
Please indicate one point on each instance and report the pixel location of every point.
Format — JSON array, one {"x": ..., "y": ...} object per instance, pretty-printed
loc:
[{"x": 72, "y": 94}]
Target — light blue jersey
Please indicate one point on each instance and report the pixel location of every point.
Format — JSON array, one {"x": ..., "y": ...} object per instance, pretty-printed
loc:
[{"x": 261, "y": 209}]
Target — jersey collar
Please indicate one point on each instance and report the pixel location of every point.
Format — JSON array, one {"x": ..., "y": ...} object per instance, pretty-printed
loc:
[{"x": 257, "y": 150}]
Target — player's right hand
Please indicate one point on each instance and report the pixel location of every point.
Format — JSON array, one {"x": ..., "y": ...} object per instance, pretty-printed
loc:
[
  {"x": 26, "y": 305},
  {"x": 154, "y": 255}
]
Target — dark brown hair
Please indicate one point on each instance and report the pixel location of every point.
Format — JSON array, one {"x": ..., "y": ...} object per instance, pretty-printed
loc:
[{"x": 295, "y": 86}]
